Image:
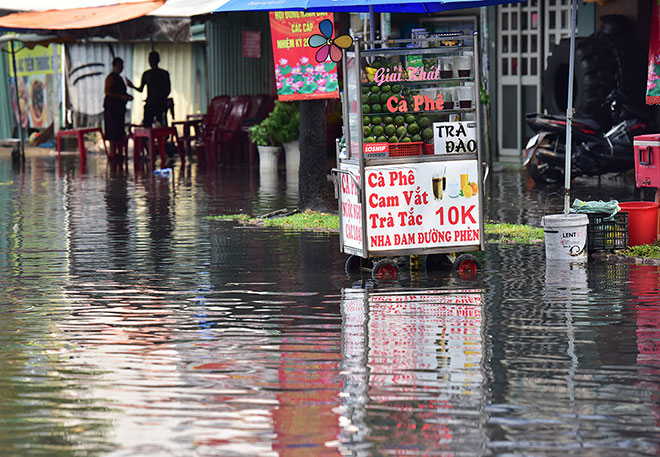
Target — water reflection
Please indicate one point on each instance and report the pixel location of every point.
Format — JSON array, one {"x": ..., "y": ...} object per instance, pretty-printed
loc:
[
  {"x": 269, "y": 184},
  {"x": 292, "y": 185},
  {"x": 564, "y": 371},
  {"x": 131, "y": 325},
  {"x": 645, "y": 288},
  {"x": 117, "y": 204},
  {"x": 412, "y": 364},
  {"x": 158, "y": 193}
]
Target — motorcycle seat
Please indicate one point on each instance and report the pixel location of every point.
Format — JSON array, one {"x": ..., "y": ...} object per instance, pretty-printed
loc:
[{"x": 588, "y": 123}]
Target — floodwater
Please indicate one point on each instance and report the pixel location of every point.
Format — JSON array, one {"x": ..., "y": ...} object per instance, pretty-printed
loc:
[{"x": 131, "y": 325}]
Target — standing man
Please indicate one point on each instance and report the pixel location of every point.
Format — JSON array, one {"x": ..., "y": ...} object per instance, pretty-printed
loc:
[
  {"x": 158, "y": 85},
  {"x": 114, "y": 108}
]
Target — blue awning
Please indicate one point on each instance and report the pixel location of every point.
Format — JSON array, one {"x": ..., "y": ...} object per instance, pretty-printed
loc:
[{"x": 357, "y": 6}]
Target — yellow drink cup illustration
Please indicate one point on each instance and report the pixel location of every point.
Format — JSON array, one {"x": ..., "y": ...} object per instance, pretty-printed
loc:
[{"x": 464, "y": 180}]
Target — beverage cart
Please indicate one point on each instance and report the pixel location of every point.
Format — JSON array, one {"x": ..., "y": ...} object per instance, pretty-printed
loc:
[{"x": 409, "y": 172}]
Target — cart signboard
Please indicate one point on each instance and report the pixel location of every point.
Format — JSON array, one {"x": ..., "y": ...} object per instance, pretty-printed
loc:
[
  {"x": 351, "y": 208},
  {"x": 455, "y": 137},
  {"x": 423, "y": 205}
]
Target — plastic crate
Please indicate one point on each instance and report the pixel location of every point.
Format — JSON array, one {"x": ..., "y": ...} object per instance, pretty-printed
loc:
[
  {"x": 605, "y": 235},
  {"x": 406, "y": 149}
]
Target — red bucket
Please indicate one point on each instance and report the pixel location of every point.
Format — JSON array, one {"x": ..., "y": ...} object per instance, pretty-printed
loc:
[{"x": 642, "y": 222}]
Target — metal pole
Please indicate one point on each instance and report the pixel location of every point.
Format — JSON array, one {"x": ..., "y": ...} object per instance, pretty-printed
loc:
[
  {"x": 63, "y": 77},
  {"x": 569, "y": 113},
  {"x": 18, "y": 100},
  {"x": 372, "y": 25}
]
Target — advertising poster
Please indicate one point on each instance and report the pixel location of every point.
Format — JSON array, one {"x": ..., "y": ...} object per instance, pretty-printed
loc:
[
  {"x": 425, "y": 205},
  {"x": 298, "y": 75},
  {"x": 35, "y": 68},
  {"x": 653, "y": 79}
]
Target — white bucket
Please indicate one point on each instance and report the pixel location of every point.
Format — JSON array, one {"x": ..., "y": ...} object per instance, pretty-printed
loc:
[
  {"x": 292, "y": 158},
  {"x": 566, "y": 237},
  {"x": 268, "y": 157}
]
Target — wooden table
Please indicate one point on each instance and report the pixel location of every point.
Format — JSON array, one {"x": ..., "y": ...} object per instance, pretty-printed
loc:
[
  {"x": 191, "y": 129},
  {"x": 152, "y": 136}
]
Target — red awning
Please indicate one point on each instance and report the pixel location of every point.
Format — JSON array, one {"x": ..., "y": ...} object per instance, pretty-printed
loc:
[{"x": 79, "y": 18}]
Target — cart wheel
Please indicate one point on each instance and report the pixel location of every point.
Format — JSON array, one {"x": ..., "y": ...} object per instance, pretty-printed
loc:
[
  {"x": 355, "y": 264},
  {"x": 466, "y": 266},
  {"x": 385, "y": 270},
  {"x": 436, "y": 262}
]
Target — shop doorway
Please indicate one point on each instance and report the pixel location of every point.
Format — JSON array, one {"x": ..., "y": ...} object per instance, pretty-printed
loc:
[{"x": 526, "y": 34}]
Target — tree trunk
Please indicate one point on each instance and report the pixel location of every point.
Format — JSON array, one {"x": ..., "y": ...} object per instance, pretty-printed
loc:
[{"x": 312, "y": 174}]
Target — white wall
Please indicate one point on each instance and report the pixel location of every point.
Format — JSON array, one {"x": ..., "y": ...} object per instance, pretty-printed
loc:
[{"x": 177, "y": 60}]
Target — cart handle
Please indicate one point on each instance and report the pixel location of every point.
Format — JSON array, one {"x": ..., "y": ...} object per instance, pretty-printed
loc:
[
  {"x": 643, "y": 149},
  {"x": 336, "y": 171},
  {"x": 486, "y": 171}
]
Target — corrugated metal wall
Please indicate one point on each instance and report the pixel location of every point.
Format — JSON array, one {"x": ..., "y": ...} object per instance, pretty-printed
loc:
[
  {"x": 200, "y": 75},
  {"x": 230, "y": 73},
  {"x": 177, "y": 59},
  {"x": 6, "y": 121},
  {"x": 88, "y": 66}
]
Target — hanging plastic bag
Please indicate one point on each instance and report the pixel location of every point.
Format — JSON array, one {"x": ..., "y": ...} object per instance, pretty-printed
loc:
[{"x": 593, "y": 207}]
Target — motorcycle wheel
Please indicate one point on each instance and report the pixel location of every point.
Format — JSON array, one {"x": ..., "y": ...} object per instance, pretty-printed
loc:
[
  {"x": 543, "y": 173},
  {"x": 628, "y": 62},
  {"x": 593, "y": 80}
]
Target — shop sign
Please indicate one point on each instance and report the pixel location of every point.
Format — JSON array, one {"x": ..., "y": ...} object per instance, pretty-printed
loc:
[
  {"x": 423, "y": 205},
  {"x": 36, "y": 86},
  {"x": 455, "y": 137},
  {"x": 251, "y": 40},
  {"x": 298, "y": 74}
]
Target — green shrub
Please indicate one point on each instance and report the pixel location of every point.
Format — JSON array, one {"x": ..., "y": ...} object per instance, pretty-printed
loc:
[{"x": 281, "y": 126}]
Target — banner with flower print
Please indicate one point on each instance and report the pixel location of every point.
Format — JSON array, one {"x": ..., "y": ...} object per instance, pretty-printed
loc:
[
  {"x": 298, "y": 75},
  {"x": 653, "y": 80}
]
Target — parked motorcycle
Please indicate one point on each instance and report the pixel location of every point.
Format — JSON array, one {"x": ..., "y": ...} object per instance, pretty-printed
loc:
[{"x": 595, "y": 151}]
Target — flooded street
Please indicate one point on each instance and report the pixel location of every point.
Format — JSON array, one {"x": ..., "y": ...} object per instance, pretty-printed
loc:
[{"x": 131, "y": 325}]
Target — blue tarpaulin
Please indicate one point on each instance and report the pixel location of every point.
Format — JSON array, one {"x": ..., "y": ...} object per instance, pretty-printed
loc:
[{"x": 357, "y": 6}]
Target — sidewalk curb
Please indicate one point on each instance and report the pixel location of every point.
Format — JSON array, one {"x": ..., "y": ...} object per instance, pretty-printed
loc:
[{"x": 609, "y": 256}]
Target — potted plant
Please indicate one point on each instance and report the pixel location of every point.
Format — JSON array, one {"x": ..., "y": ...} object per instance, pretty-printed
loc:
[
  {"x": 264, "y": 136},
  {"x": 287, "y": 119}
]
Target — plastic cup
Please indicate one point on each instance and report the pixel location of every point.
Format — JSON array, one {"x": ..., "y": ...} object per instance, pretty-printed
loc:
[
  {"x": 463, "y": 66},
  {"x": 432, "y": 93},
  {"x": 449, "y": 97},
  {"x": 465, "y": 96},
  {"x": 446, "y": 67}
]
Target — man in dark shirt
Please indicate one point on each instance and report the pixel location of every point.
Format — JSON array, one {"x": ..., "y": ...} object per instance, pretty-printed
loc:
[{"x": 158, "y": 85}]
